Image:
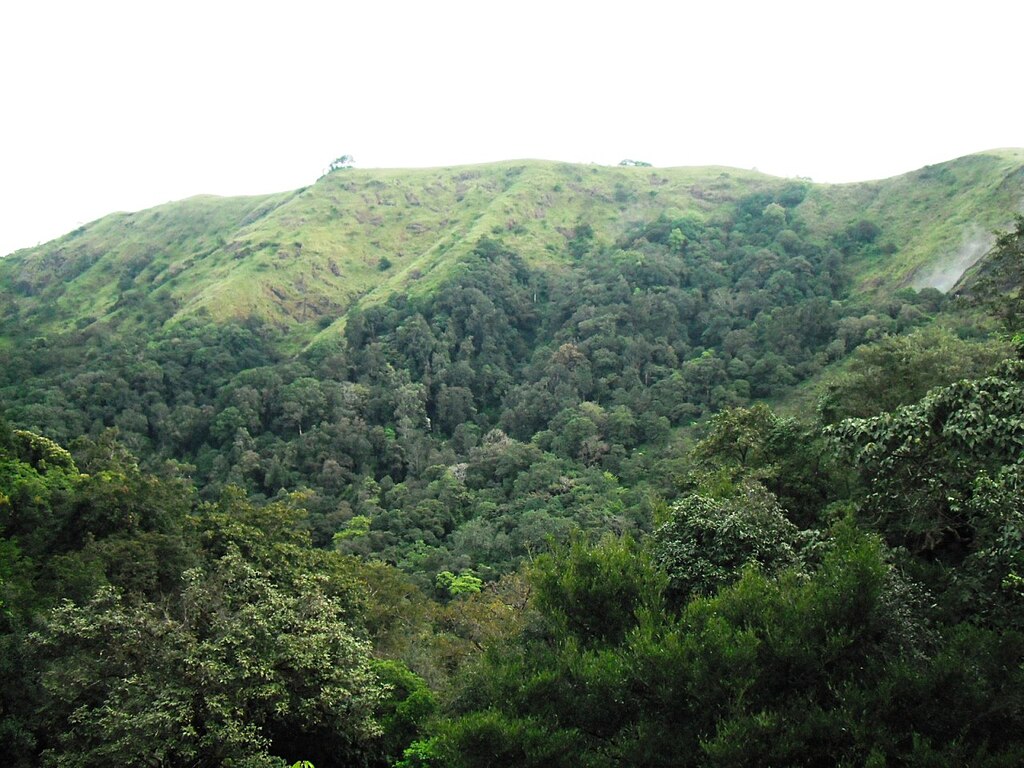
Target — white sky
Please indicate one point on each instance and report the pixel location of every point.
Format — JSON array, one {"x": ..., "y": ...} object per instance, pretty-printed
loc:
[{"x": 122, "y": 105}]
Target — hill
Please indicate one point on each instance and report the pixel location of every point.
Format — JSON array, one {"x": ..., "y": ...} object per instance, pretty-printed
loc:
[
  {"x": 524, "y": 463},
  {"x": 301, "y": 260}
]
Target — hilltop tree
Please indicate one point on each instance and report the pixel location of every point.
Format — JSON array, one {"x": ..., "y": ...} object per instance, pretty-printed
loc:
[{"x": 342, "y": 163}]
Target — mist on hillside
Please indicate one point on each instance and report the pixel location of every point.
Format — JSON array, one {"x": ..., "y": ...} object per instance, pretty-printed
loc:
[{"x": 947, "y": 270}]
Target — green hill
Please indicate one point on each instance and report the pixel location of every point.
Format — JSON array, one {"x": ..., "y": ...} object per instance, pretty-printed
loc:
[
  {"x": 301, "y": 260},
  {"x": 521, "y": 464}
]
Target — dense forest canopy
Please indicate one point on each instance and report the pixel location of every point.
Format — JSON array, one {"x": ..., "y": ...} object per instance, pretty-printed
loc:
[{"x": 680, "y": 492}]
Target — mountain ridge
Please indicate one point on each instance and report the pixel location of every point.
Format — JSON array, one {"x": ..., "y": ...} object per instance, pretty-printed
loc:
[{"x": 302, "y": 259}]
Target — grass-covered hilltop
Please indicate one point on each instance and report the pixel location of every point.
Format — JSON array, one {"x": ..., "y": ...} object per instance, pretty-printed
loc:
[
  {"x": 521, "y": 464},
  {"x": 302, "y": 260}
]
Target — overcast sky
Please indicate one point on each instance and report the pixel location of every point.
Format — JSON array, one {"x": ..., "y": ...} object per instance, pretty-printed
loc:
[{"x": 120, "y": 106}]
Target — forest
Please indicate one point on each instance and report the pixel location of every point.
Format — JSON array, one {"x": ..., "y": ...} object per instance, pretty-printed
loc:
[{"x": 684, "y": 496}]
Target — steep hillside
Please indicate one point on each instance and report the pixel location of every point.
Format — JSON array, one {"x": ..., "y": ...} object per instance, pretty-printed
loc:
[
  {"x": 934, "y": 223},
  {"x": 464, "y": 463},
  {"x": 300, "y": 260},
  {"x": 297, "y": 258}
]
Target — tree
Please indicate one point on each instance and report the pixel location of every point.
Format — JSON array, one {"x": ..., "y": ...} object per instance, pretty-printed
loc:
[
  {"x": 899, "y": 370},
  {"x": 921, "y": 462},
  {"x": 706, "y": 544},
  {"x": 342, "y": 163},
  {"x": 738, "y": 435},
  {"x": 257, "y": 661},
  {"x": 243, "y": 669},
  {"x": 595, "y": 594},
  {"x": 997, "y": 281},
  {"x": 989, "y": 586},
  {"x": 450, "y": 585}
]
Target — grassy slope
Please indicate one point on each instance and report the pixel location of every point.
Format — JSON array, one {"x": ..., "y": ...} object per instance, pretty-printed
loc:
[
  {"x": 933, "y": 217},
  {"x": 301, "y": 259},
  {"x": 161, "y": 250}
]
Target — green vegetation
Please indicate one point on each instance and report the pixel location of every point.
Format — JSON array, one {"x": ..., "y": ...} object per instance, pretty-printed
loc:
[
  {"x": 477, "y": 467},
  {"x": 299, "y": 260}
]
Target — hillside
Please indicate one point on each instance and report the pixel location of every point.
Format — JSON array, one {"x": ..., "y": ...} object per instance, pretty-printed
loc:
[
  {"x": 522, "y": 464},
  {"x": 301, "y": 260}
]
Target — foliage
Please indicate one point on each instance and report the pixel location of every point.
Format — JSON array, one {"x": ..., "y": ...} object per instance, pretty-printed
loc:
[
  {"x": 262, "y": 630},
  {"x": 743, "y": 446},
  {"x": 990, "y": 579},
  {"x": 706, "y": 544},
  {"x": 210, "y": 634},
  {"x": 405, "y": 709},
  {"x": 595, "y": 595},
  {"x": 342, "y": 163},
  {"x": 998, "y": 280},
  {"x": 451, "y": 585},
  {"x": 899, "y": 370},
  {"x": 276, "y": 668},
  {"x": 799, "y": 669},
  {"x": 426, "y": 538},
  {"x": 507, "y": 405},
  {"x": 922, "y": 461}
]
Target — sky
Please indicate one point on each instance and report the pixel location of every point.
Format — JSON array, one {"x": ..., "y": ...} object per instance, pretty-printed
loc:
[{"x": 119, "y": 106}]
